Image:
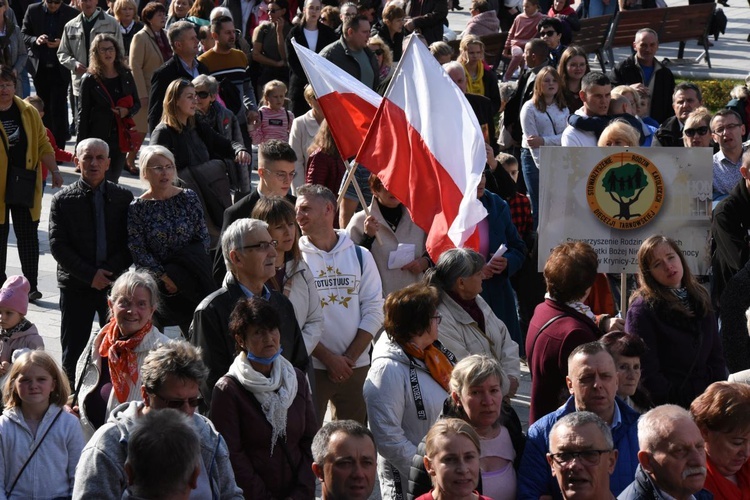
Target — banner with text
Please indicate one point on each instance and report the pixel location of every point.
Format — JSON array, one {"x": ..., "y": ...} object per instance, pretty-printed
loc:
[{"x": 615, "y": 198}]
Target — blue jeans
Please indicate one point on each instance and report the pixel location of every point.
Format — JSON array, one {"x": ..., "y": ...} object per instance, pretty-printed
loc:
[{"x": 531, "y": 177}]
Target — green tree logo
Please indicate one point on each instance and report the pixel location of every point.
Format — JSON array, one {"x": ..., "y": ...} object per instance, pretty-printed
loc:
[{"x": 625, "y": 185}]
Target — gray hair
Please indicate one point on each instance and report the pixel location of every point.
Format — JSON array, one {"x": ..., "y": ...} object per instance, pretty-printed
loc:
[
  {"x": 149, "y": 152},
  {"x": 209, "y": 82},
  {"x": 176, "y": 357},
  {"x": 220, "y": 11},
  {"x": 453, "y": 66},
  {"x": 323, "y": 438},
  {"x": 174, "y": 33},
  {"x": 507, "y": 90},
  {"x": 453, "y": 264},
  {"x": 91, "y": 142},
  {"x": 164, "y": 450},
  {"x": 657, "y": 424},
  {"x": 125, "y": 286},
  {"x": 645, "y": 31},
  {"x": 318, "y": 191},
  {"x": 581, "y": 418},
  {"x": 234, "y": 235},
  {"x": 473, "y": 370}
]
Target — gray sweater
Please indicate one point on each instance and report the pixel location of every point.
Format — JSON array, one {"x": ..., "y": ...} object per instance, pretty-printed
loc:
[{"x": 101, "y": 470}]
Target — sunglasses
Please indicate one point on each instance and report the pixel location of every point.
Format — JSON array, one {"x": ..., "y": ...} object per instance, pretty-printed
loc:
[
  {"x": 690, "y": 132},
  {"x": 54, "y": 2},
  {"x": 379, "y": 52},
  {"x": 176, "y": 404},
  {"x": 544, "y": 34},
  {"x": 202, "y": 94}
]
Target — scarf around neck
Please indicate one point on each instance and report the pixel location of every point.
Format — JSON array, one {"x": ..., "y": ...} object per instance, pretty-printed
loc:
[
  {"x": 275, "y": 393},
  {"x": 475, "y": 85},
  {"x": 438, "y": 365},
  {"x": 121, "y": 356}
]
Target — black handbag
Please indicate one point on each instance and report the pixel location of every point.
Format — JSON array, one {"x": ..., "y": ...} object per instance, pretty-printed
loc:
[{"x": 21, "y": 184}]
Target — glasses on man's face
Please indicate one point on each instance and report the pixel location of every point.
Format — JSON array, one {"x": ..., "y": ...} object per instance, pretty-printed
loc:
[
  {"x": 176, "y": 404},
  {"x": 544, "y": 34},
  {"x": 586, "y": 457},
  {"x": 690, "y": 132},
  {"x": 263, "y": 246},
  {"x": 7, "y": 86},
  {"x": 202, "y": 94},
  {"x": 283, "y": 176},
  {"x": 726, "y": 128},
  {"x": 160, "y": 169},
  {"x": 106, "y": 50},
  {"x": 438, "y": 318}
]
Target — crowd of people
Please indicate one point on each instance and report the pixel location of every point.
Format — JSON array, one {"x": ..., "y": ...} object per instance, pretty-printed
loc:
[{"x": 296, "y": 308}]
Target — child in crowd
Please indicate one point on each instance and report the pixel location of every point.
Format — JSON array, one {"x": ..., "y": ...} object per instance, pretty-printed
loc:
[
  {"x": 524, "y": 28},
  {"x": 17, "y": 334},
  {"x": 40, "y": 442},
  {"x": 520, "y": 206},
  {"x": 60, "y": 154},
  {"x": 274, "y": 121}
]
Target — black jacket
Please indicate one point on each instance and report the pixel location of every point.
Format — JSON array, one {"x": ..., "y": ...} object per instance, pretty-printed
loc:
[
  {"x": 730, "y": 227},
  {"x": 170, "y": 71},
  {"x": 216, "y": 145},
  {"x": 297, "y": 77},
  {"x": 429, "y": 17},
  {"x": 734, "y": 302},
  {"x": 627, "y": 72},
  {"x": 210, "y": 332},
  {"x": 642, "y": 488},
  {"x": 524, "y": 92},
  {"x": 339, "y": 54},
  {"x": 72, "y": 233},
  {"x": 95, "y": 117},
  {"x": 34, "y": 26},
  {"x": 669, "y": 133},
  {"x": 396, "y": 44}
]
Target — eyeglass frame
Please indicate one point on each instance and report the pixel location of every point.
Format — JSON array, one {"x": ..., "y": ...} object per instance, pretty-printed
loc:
[
  {"x": 282, "y": 176},
  {"x": 726, "y": 128},
  {"x": 691, "y": 132},
  {"x": 578, "y": 455},
  {"x": 263, "y": 246},
  {"x": 159, "y": 169},
  {"x": 176, "y": 404}
]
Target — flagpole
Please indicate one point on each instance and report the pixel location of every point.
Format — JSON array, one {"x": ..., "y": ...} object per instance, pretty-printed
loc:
[{"x": 345, "y": 185}]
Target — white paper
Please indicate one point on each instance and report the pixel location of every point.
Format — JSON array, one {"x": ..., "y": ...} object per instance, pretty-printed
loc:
[
  {"x": 401, "y": 256},
  {"x": 500, "y": 251}
]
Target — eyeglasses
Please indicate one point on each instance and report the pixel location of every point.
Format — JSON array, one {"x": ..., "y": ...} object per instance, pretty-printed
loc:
[
  {"x": 263, "y": 246},
  {"x": 690, "y": 132},
  {"x": 202, "y": 94},
  {"x": 726, "y": 128},
  {"x": 379, "y": 52},
  {"x": 543, "y": 34},
  {"x": 176, "y": 404},
  {"x": 587, "y": 457},
  {"x": 438, "y": 318},
  {"x": 282, "y": 176},
  {"x": 273, "y": 11},
  {"x": 104, "y": 50},
  {"x": 160, "y": 169},
  {"x": 7, "y": 86},
  {"x": 54, "y": 2}
]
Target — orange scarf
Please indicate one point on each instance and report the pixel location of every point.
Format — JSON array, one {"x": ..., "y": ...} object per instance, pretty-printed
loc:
[
  {"x": 725, "y": 489},
  {"x": 438, "y": 365},
  {"x": 123, "y": 363}
]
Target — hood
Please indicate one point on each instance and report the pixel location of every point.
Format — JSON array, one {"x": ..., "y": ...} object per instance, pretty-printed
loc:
[
  {"x": 343, "y": 243},
  {"x": 385, "y": 348}
]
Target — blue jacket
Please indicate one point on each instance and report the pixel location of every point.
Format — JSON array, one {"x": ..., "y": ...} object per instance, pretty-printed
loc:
[
  {"x": 497, "y": 291},
  {"x": 642, "y": 488},
  {"x": 534, "y": 475}
]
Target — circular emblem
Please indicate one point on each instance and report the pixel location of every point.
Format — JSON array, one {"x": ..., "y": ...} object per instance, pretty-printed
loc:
[{"x": 625, "y": 191}]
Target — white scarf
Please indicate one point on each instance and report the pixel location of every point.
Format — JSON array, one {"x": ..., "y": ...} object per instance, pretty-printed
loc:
[{"x": 275, "y": 393}]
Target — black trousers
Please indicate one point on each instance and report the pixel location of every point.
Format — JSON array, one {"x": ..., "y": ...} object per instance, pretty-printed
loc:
[
  {"x": 78, "y": 307},
  {"x": 53, "y": 89},
  {"x": 27, "y": 241}
]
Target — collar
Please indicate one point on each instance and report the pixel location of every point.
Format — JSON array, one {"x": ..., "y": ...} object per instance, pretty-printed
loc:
[
  {"x": 93, "y": 16},
  {"x": 185, "y": 65},
  {"x": 100, "y": 187},
  {"x": 721, "y": 157},
  {"x": 265, "y": 294},
  {"x": 616, "y": 417}
]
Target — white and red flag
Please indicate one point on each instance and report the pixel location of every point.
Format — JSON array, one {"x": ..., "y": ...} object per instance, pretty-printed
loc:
[
  {"x": 426, "y": 146},
  {"x": 348, "y": 105}
]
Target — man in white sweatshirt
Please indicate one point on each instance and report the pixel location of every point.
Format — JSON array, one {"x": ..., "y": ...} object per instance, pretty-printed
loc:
[{"x": 351, "y": 296}]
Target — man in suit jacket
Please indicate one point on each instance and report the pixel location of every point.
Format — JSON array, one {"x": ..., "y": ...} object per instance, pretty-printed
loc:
[
  {"x": 42, "y": 29},
  {"x": 276, "y": 171},
  {"x": 184, "y": 42}
]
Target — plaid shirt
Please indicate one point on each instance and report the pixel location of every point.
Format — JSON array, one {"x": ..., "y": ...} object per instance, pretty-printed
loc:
[{"x": 520, "y": 214}]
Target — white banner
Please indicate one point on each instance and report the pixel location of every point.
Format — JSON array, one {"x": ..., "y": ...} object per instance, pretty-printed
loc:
[{"x": 615, "y": 198}]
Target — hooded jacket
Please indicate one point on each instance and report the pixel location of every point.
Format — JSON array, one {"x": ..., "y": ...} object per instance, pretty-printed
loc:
[
  {"x": 484, "y": 23},
  {"x": 351, "y": 294},
  {"x": 301, "y": 291},
  {"x": 101, "y": 470},
  {"x": 26, "y": 339},
  {"x": 392, "y": 412}
]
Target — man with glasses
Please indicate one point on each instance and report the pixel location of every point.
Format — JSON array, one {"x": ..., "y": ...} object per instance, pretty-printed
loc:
[
  {"x": 42, "y": 29},
  {"x": 582, "y": 456},
  {"x": 727, "y": 130},
  {"x": 250, "y": 256},
  {"x": 592, "y": 383},
  {"x": 672, "y": 458},
  {"x": 276, "y": 171},
  {"x": 171, "y": 375},
  {"x": 551, "y": 30},
  {"x": 644, "y": 68}
]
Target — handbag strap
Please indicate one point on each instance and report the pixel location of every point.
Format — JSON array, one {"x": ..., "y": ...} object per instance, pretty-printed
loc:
[
  {"x": 33, "y": 452},
  {"x": 104, "y": 88},
  {"x": 544, "y": 327}
]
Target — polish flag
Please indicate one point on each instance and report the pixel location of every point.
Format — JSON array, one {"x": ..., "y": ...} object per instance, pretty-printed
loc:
[
  {"x": 426, "y": 146},
  {"x": 348, "y": 104}
]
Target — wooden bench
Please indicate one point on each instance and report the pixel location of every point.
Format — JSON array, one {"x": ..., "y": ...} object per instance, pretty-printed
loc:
[
  {"x": 592, "y": 35},
  {"x": 688, "y": 22},
  {"x": 626, "y": 25},
  {"x": 493, "y": 48}
]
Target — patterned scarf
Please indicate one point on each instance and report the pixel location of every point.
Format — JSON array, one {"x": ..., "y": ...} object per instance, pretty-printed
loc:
[
  {"x": 438, "y": 365},
  {"x": 123, "y": 362},
  {"x": 21, "y": 326},
  {"x": 684, "y": 297}
]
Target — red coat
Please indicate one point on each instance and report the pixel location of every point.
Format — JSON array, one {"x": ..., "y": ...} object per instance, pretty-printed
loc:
[{"x": 248, "y": 435}]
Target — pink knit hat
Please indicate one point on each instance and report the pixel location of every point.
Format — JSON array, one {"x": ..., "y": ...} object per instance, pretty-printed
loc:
[{"x": 15, "y": 294}]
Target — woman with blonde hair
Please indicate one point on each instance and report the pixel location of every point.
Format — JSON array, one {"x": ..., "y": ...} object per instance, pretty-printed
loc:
[
  {"x": 480, "y": 77},
  {"x": 108, "y": 95},
  {"x": 672, "y": 313},
  {"x": 125, "y": 11},
  {"x": 619, "y": 133},
  {"x": 697, "y": 130},
  {"x": 384, "y": 56}
]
